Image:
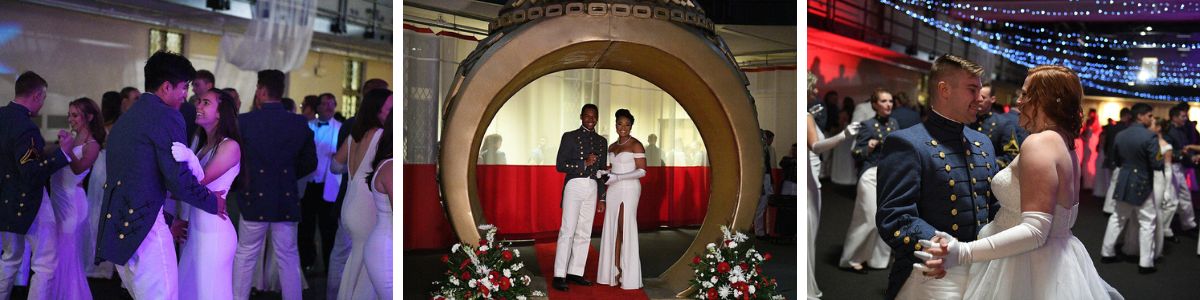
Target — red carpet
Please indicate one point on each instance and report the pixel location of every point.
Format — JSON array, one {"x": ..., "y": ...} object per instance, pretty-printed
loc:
[{"x": 545, "y": 255}]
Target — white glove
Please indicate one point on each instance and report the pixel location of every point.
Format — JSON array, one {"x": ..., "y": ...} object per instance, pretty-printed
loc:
[
  {"x": 852, "y": 129},
  {"x": 1030, "y": 234},
  {"x": 601, "y": 173},
  {"x": 614, "y": 178},
  {"x": 185, "y": 155},
  {"x": 815, "y": 109}
]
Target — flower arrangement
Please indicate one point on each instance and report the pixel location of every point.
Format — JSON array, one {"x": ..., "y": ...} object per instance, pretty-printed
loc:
[
  {"x": 732, "y": 270},
  {"x": 490, "y": 271}
]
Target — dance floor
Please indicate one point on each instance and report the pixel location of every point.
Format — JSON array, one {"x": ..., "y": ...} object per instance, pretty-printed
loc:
[
  {"x": 659, "y": 248},
  {"x": 1176, "y": 278}
]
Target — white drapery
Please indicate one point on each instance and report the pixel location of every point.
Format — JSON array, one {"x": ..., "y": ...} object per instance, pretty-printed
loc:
[{"x": 278, "y": 37}]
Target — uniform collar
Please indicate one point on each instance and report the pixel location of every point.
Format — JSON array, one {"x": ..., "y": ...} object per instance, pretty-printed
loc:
[
  {"x": 581, "y": 127},
  {"x": 21, "y": 108},
  {"x": 882, "y": 120},
  {"x": 938, "y": 121}
]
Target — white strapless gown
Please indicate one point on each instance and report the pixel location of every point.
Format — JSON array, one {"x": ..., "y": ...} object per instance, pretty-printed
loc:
[
  {"x": 70, "y": 204},
  {"x": 358, "y": 216},
  {"x": 95, "y": 196},
  {"x": 1059, "y": 269},
  {"x": 206, "y": 259},
  {"x": 379, "y": 243},
  {"x": 626, "y": 192}
]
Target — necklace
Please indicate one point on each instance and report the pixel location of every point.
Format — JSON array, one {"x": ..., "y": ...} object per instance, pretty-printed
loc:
[{"x": 626, "y": 140}]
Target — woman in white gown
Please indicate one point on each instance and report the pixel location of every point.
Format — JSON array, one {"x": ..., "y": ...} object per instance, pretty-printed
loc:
[
  {"x": 379, "y": 243},
  {"x": 110, "y": 108},
  {"x": 1028, "y": 250},
  {"x": 70, "y": 202},
  {"x": 619, "y": 257},
  {"x": 358, "y": 209},
  {"x": 210, "y": 242}
]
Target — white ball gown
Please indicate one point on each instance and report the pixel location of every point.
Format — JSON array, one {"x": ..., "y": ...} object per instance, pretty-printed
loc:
[
  {"x": 358, "y": 216},
  {"x": 626, "y": 192},
  {"x": 95, "y": 195},
  {"x": 70, "y": 205},
  {"x": 379, "y": 244},
  {"x": 206, "y": 259},
  {"x": 1059, "y": 269}
]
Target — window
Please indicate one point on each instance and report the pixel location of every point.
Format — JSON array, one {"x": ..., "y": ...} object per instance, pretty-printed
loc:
[
  {"x": 350, "y": 85},
  {"x": 166, "y": 40}
]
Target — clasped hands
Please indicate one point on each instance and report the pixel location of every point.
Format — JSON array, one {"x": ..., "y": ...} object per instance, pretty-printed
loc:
[
  {"x": 940, "y": 253},
  {"x": 182, "y": 154}
]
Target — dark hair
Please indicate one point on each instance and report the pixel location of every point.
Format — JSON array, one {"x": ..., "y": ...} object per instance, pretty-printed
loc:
[
  {"x": 206, "y": 76},
  {"x": 1056, "y": 92},
  {"x": 288, "y": 104},
  {"x": 310, "y": 101},
  {"x": 1163, "y": 124},
  {"x": 831, "y": 93},
  {"x": 29, "y": 82},
  {"x": 167, "y": 67},
  {"x": 227, "y": 122},
  {"x": 326, "y": 95},
  {"x": 986, "y": 85},
  {"x": 624, "y": 113},
  {"x": 875, "y": 95},
  {"x": 370, "y": 85},
  {"x": 110, "y": 106},
  {"x": 88, "y": 107},
  {"x": 1140, "y": 109},
  {"x": 946, "y": 64},
  {"x": 1177, "y": 109},
  {"x": 273, "y": 81},
  {"x": 382, "y": 152},
  {"x": 590, "y": 106},
  {"x": 368, "y": 113},
  {"x": 126, "y": 90},
  {"x": 767, "y": 134},
  {"x": 1125, "y": 112}
]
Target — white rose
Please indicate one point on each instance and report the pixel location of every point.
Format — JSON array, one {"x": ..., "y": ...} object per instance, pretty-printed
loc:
[
  {"x": 507, "y": 273},
  {"x": 471, "y": 283},
  {"x": 483, "y": 248},
  {"x": 713, "y": 280},
  {"x": 751, "y": 289},
  {"x": 711, "y": 246},
  {"x": 733, "y": 245},
  {"x": 516, "y": 252},
  {"x": 486, "y": 227},
  {"x": 454, "y": 281},
  {"x": 520, "y": 297},
  {"x": 455, "y": 248},
  {"x": 737, "y": 293}
]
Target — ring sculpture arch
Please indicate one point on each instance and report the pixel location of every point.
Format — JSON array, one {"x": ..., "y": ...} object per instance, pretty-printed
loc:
[{"x": 666, "y": 42}]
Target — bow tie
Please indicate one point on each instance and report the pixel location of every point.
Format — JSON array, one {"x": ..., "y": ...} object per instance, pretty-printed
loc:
[{"x": 319, "y": 124}]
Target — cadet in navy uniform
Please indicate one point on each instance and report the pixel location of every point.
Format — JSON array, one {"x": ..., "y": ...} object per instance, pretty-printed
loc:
[
  {"x": 936, "y": 176},
  {"x": 581, "y": 153},
  {"x": 278, "y": 149},
  {"x": 134, "y": 235},
  {"x": 1001, "y": 130},
  {"x": 1110, "y": 158},
  {"x": 24, "y": 171},
  {"x": 1136, "y": 152},
  {"x": 862, "y": 242}
]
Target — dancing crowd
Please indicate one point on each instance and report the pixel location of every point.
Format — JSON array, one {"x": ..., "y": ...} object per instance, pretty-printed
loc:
[{"x": 140, "y": 184}]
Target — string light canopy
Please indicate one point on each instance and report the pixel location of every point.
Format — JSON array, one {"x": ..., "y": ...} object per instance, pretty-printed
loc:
[{"x": 1090, "y": 72}]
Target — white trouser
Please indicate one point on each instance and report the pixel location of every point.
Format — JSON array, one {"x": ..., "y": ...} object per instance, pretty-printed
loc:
[
  {"x": 42, "y": 239},
  {"x": 152, "y": 272},
  {"x": 1146, "y": 216},
  {"x": 251, "y": 237},
  {"x": 863, "y": 243},
  {"x": 1183, "y": 200},
  {"x": 919, "y": 286},
  {"x": 337, "y": 261},
  {"x": 1177, "y": 192},
  {"x": 760, "y": 214},
  {"x": 814, "y": 221},
  {"x": 575, "y": 234},
  {"x": 1112, "y": 186}
]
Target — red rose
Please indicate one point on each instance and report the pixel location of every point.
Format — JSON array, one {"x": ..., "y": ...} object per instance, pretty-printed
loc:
[
  {"x": 505, "y": 283},
  {"x": 712, "y": 293},
  {"x": 445, "y": 258},
  {"x": 723, "y": 267},
  {"x": 464, "y": 263},
  {"x": 745, "y": 267},
  {"x": 696, "y": 260},
  {"x": 758, "y": 269},
  {"x": 466, "y": 276},
  {"x": 468, "y": 295},
  {"x": 482, "y": 242},
  {"x": 767, "y": 256},
  {"x": 508, "y": 255},
  {"x": 483, "y": 290},
  {"x": 742, "y": 286}
]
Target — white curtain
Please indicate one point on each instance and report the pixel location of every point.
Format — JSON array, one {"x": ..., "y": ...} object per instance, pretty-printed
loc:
[{"x": 278, "y": 37}]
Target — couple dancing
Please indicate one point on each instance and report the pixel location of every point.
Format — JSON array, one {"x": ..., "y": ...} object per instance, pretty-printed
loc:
[
  {"x": 584, "y": 156},
  {"x": 961, "y": 227}
]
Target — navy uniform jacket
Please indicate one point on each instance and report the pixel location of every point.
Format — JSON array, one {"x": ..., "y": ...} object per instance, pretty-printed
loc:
[
  {"x": 24, "y": 168},
  {"x": 872, "y": 128},
  {"x": 574, "y": 148},
  {"x": 1178, "y": 137},
  {"x": 140, "y": 144},
  {"x": 1003, "y": 132},
  {"x": 1137, "y": 155},
  {"x": 907, "y": 117},
  {"x": 277, "y": 149},
  {"x": 1111, "y": 131},
  {"x": 933, "y": 176}
]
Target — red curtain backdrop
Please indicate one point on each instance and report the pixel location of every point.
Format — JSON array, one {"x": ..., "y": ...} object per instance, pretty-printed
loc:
[{"x": 523, "y": 201}]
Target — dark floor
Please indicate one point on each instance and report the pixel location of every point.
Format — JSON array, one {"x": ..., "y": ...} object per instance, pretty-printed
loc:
[
  {"x": 659, "y": 249},
  {"x": 1178, "y": 274}
]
